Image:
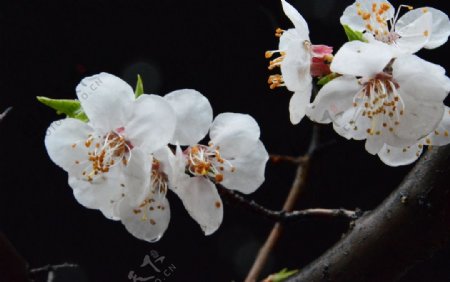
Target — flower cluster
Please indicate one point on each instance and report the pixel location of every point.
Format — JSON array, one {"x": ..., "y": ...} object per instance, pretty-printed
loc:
[
  {"x": 133, "y": 150},
  {"x": 375, "y": 87}
]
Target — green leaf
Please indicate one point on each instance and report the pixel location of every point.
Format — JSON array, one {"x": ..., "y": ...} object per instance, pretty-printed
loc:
[
  {"x": 353, "y": 34},
  {"x": 139, "y": 87},
  {"x": 327, "y": 78},
  {"x": 281, "y": 276},
  {"x": 71, "y": 108}
]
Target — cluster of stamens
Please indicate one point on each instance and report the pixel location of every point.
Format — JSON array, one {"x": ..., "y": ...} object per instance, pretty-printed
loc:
[
  {"x": 380, "y": 103},
  {"x": 206, "y": 161},
  {"x": 159, "y": 180},
  {"x": 159, "y": 186},
  {"x": 106, "y": 152},
  {"x": 377, "y": 23}
]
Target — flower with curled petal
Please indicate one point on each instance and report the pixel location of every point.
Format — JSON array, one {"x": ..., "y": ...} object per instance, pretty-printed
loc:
[
  {"x": 418, "y": 28},
  {"x": 381, "y": 99},
  {"x": 299, "y": 61},
  {"x": 107, "y": 158}
]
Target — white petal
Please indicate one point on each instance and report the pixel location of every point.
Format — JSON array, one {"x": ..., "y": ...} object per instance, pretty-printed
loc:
[
  {"x": 440, "y": 26},
  {"x": 361, "y": 59},
  {"x": 296, "y": 66},
  {"x": 235, "y": 134},
  {"x": 101, "y": 195},
  {"x": 393, "y": 156},
  {"x": 149, "y": 222},
  {"x": 65, "y": 144},
  {"x": 334, "y": 98},
  {"x": 194, "y": 116},
  {"x": 423, "y": 87},
  {"x": 441, "y": 135},
  {"x": 407, "y": 66},
  {"x": 351, "y": 18},
  {"x": 106, "y": 100},
  {"x": 350, "y": 127},
  {"x": 440, "y": 29},
  {"x": 298, "y": 103},
  {"x": 374, "y": 144},
  {"x": 299, "y": 22},
  {"x": 203, "y": 203},
  {"x": 287, "y": 37},
  {"x": 153, "y": 123},
  {"x": 414, "y": 30},
  {"x": 136, "y": 176},
  {"x": 248, "y": 173}
]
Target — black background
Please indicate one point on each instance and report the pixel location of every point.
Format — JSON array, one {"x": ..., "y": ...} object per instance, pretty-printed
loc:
[{"x": 216, "y": 47}]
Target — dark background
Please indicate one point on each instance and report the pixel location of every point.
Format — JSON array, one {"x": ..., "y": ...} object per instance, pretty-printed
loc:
[{"x": 216, "y": 47}]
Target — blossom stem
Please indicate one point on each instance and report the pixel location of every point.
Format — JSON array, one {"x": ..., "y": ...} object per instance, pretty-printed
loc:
[{"x": 296, "y": 189}]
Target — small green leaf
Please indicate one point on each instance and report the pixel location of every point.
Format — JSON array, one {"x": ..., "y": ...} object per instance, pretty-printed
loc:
[
  {"x": 353, "y": 34},
  {"x": 327, "y": 78},
  {"x": 281, "y": 276},
  {"x": 139, "y": 87},
  {"x": 71, "y": 108}
]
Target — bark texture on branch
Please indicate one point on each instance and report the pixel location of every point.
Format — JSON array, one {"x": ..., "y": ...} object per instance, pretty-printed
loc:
[{"x": 407, "y": 228}]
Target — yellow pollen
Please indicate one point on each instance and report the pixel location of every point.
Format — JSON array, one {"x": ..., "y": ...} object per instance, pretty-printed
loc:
[
  {"x": 385, "y": 6},
  {"x": 446, "y": 133},
  {"x": 268, "y": 54},
  {"x": 275, "y": 81},
  {"x": 426, "y": 33},
  {"x": 424, "y": 10},
  {"x": 279, "y": 32},
  {"x": 428, "y": 141},
  {"x": 219, "y": 178}
]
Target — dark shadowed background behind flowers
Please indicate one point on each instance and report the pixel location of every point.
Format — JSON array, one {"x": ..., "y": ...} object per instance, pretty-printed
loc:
[{"x": 216, "y": 47}]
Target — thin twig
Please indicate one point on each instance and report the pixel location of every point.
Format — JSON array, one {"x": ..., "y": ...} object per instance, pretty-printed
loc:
[
  {"x": 284, "y": 216},
  {"x": 49, "y": 267},
  {"x": 287, "y": 159},
  {"x": 296, "y": 189},
  {"x": 2, "y": 115}
]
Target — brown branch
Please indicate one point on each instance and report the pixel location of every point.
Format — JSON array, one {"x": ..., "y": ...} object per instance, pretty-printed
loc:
[
  {"x": 296, "y": 189},
  {"x": 284, "y": 216},
  {"x": 407, "y": 228}
]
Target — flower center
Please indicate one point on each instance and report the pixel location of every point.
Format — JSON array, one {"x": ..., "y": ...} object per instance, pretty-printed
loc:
[
  {"x": 377, "y": 22},
  {"x": 380, "y": 102},
  {"x": 106, "y": 152},
  {"x": 206, "y": 161}
]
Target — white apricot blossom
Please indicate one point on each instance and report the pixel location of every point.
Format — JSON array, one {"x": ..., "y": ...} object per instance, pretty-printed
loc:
[
  {"x": 299, "y": 60},
  {"x": 386, "y": 101},
  {"x": 403, "y": 156},
  {"x": 424, "y": 27},
  {"x": 107, "y": 159},
  {"x": 235, "y": 157},
  {"x": 149, "y": 219}
]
